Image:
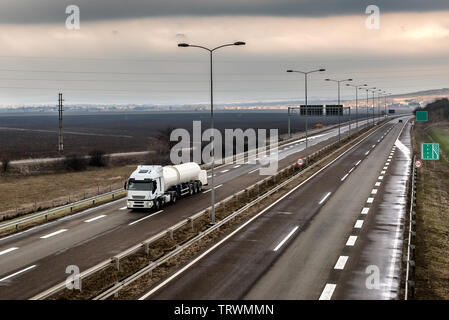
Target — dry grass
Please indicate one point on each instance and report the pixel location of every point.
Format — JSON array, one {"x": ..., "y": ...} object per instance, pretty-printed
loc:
[
  {"x": 18, "y": 191},
  {"x": 432, "y": 226}
]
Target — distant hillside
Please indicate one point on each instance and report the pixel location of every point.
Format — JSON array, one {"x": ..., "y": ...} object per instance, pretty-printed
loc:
[
  {"x": 438, "y": 110},
  {"x": 435, "y": 92}
]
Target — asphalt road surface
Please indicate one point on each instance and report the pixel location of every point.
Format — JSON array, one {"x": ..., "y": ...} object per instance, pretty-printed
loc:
[
  {"x": 36, "y": 259},
  {"x": 317, "y": 241}
]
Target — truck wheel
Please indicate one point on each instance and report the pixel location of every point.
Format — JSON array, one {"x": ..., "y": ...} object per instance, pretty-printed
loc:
[
  {"x": 200, "y": 187},
  {"x": 191, "y": 190},
  {"x": 157, "y": 205}
]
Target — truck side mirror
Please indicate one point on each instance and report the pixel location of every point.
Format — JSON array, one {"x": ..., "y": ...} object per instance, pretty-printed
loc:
[{"x": 126, "y": 185}]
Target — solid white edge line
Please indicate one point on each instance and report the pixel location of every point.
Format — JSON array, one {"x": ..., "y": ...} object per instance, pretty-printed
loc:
[
  {"x": 96, "y": 218},
  {"x": 144, "y": 218},
  {"x": 341, "y": 262},
  {"x": 53, "y": 234},
  {"x": 328, "y": 291},
  {"x": 8, "y": 250},
  {"x": 205, "y": 253},
  {"x": 253, "y": 170},
  {"x": 17, "y": 273},
  {"x": 224, "y": 171},
  {"x": 285, "y": 239},
  {"x": 324, "y": 198},
  {"x": 351, "y": 241}
]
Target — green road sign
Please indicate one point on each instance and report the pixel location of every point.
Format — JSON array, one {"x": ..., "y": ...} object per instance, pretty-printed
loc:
[
  {"x": 430, "y": 151},
  {"x": 421, "y": 116}
]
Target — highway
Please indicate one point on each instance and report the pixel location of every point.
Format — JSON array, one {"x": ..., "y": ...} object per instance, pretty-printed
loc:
[
  {"x": 317, "y": 241},
  {"x": 36, "y": 259}
]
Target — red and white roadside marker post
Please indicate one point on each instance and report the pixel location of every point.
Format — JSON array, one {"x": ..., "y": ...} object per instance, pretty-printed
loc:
[
  {"x": 418, "y": 164},
  {"x": 300, "y": 162}
]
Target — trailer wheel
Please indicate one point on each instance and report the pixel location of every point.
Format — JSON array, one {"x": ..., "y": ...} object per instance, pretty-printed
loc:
[
  {"x": 200, "y": 187},
  {"x": 191, "y": 189},
  {"x": 197, "y": 188},
  {"x": 173, "y": 200}
]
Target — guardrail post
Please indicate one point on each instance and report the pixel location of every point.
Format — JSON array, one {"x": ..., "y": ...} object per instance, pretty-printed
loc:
[
  {"x": 116, "y": 262},
  {"x": 190, "y": 220},
  {"x": 170, "y": 233},
  {"x": 46, "y": 217},
  {"x": 411, "y": 285}
]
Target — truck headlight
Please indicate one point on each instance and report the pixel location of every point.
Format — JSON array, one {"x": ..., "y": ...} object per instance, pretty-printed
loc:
[{"x": 129, "y": 204}]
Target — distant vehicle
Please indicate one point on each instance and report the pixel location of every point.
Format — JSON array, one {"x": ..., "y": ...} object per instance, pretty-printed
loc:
[
  {"x": 318, "y": 125},
  {"x": 154, "y": 186},
  {"x": 400, "y": 120}
]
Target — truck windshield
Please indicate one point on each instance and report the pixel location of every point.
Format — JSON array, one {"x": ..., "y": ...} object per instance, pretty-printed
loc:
[{"x": 141, "y": 185}]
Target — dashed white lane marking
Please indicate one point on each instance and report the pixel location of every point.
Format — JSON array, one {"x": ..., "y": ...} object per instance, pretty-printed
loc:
[
  {"x": 370, "y": 200},
  {"x": 216, "y": 187},
  {"x": 253, "y": 171},
  {"x": 358, "y": 162},
  {"x": 123, "y": 208},
  {"x": 351, "y": 241},
  {"x": 345, "y": 176},
  {"x": 377, "y": 184},
  {"x": 382, "y": 172},
  {"x": 17, "y": 273},
  {"x": 327, "y": 291},
  {"x": 53, "y": 233},
  {"x": 389, "y": 157},
  {"x": 96, "y": 218},
  {"x": 235, "y": 167},
  {"x": 366, "y": 153},
  {"x": 341, "y": 262},
  {"x": 373, "y": 146},
  {"x": 223, "y": 171},
  {"x": 378, "y": 140},
  {"x": 374, "y": 191},
  {"x": 286, "y": 238},
  {"x": 358, "y": 224},
  {"x": 151, "y": 215},
  {"x": 385, "y": 168},
  {"x": 325, "y": 197},
  {"x": 380, "y": 177},
  {"x": 352, "y": 169},
  {"x": 365, "y": 210},
  {"x": 8, "y": 250}
]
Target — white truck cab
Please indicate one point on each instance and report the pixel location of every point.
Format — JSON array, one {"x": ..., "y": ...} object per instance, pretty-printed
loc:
[{"x": 154, "y": 186}]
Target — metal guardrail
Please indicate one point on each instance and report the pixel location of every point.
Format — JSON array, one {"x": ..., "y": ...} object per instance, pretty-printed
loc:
[
  {"x": 411, "y": 233},
  {"x": 46, "y": 213},
  {"x": 115, "y": 260}
]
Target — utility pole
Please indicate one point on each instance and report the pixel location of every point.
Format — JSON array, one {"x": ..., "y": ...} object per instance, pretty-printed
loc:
[{"x": 60, "y": 135}]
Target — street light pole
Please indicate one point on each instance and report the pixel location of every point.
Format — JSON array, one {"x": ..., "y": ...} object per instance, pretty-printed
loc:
[
  {"x": 339, "y": 121},
  {"x": 211, "y": 51},
  {"x": 357, "y": 87},
  {"x": 306, "y": 73}
]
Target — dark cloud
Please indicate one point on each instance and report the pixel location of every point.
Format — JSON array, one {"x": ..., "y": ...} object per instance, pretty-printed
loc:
[{"x": 53, "y": 11}]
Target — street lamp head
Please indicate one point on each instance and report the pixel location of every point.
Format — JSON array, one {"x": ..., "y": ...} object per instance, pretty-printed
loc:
[
  {"x": 327, "y": 79},
  {"x": 349, "y": 79},
  {"x": 239, "y": 43},
  {"x": 321, "y": 70},
  {"x": 183, "y": 45},
  {"x": 289, "y": 70},
  {"x": 364, "y": 85}
]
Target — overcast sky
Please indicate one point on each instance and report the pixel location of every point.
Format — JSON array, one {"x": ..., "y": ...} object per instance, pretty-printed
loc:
[{"x": 126, "y": 51}]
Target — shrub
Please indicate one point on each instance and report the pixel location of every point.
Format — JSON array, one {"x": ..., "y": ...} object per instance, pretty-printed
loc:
[
  {"x": 98, "y": 158},
  {"x": 75, "y": 162},
  {"x": 5, "y": 164}
]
